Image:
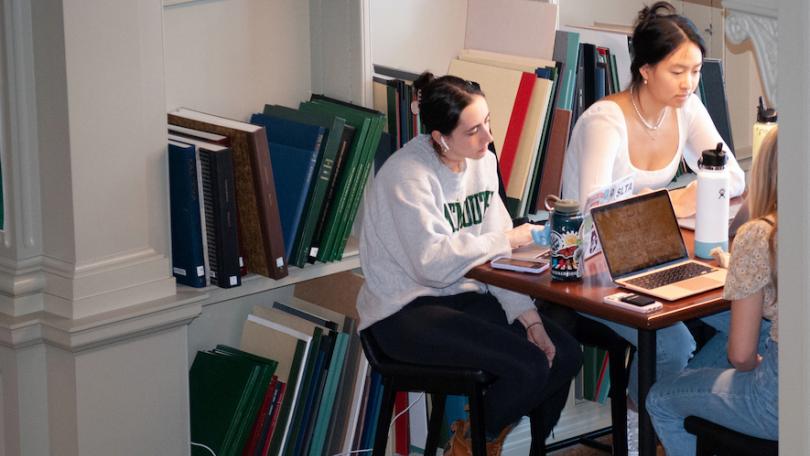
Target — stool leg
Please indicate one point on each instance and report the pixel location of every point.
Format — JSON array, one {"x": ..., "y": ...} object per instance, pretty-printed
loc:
[
  {"x": 538, "y": 446},
  {"x": 437, "y": 402},
  {"x": 618, "y": 400},
  {"x": 384, "y": 420},
  {"x": 477, "y": 430}
]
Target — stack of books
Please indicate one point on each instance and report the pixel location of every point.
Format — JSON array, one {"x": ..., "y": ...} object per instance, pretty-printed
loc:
[{"x": 283, "y": 189}]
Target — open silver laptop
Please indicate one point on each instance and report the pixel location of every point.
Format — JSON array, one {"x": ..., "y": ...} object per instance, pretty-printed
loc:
[{"x": 645, "y": 252}]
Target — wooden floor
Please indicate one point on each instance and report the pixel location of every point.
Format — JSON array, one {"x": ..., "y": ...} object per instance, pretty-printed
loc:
[{"x": 582, "y": 450}]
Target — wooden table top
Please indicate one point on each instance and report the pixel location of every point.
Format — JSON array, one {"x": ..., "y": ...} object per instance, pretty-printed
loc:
[{"x": 586, "y": 295}]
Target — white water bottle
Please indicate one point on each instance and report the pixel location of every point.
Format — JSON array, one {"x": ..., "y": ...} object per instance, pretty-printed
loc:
[{"x": 712, "y": 202}]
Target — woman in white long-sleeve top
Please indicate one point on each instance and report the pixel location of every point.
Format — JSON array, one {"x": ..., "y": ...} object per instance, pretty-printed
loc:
[{"x": 645, "y": 132}]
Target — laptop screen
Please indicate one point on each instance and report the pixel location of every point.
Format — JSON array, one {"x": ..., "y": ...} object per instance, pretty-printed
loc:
[{"x": 639, "y": 233}]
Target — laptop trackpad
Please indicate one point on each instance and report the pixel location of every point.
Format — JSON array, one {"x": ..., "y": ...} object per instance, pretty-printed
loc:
[{"x": 697, "y": 283}]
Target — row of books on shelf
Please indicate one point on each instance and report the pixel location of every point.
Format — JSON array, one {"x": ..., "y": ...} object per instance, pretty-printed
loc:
[
  {"x": 298, "y": 384},
  {"x": 535, "y": 103},
  {"x": 282, "y": 189}
]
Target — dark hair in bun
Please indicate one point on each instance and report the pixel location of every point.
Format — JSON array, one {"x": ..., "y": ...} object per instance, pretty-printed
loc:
[
  {"x": 658, "y": 31},
  {"x": 442, "y": 99}
]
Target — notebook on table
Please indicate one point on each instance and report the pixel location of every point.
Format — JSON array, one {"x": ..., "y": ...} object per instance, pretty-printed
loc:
[{"x": 645, "y": 252}]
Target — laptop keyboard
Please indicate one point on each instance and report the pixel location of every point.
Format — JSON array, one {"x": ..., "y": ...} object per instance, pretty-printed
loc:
[{"x": 671, "y": 275}]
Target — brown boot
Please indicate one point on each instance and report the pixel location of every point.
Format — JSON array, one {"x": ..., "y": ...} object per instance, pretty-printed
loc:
[
  {"x": 494, "y": 447},
  {"x": 460, "y": 443}
]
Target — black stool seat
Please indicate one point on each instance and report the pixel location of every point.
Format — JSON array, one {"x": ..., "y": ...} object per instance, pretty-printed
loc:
[
  {"x": 716, "y": 440},
  {"x": 438, "y": 381}
]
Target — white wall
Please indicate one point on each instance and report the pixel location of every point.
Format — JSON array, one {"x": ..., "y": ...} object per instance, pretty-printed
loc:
[
  {"x": 417, "y": 35},
  {"x": 231, "y": 57}
]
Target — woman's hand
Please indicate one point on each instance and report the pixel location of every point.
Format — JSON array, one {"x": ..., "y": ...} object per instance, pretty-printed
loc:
[
  {"x": 521, "y": 235},
  {"x": 536, "y": 333}
]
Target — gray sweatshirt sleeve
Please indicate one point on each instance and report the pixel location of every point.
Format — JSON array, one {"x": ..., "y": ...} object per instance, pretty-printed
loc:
[{"x": 513, "y": 303}]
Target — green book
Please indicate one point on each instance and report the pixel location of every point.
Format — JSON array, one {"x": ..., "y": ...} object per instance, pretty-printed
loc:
[
  {"x": 329, "y": 393},
  {"x": 348, "y": 176},
  {"x": 288, "y": 401},
  {"x": 357, "y": 196},
  {"x": 376, "y": 125},
  {"x": 247, "y": 415},
  {"x": 324, "y": 168},
  {"x": 220, "y": 388},
  {"x": 293, "y": 426},
  {"x": 344, "y": 398}
]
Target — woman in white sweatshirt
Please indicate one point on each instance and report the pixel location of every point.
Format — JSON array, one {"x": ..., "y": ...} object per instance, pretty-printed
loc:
[{"x": 433, "y": 214}]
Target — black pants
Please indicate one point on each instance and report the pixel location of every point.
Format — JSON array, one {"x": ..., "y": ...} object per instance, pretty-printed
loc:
[{"x": 470, "y": 330}]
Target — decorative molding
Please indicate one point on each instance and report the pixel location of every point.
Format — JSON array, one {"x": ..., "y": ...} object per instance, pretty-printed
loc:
[
  {"x": 20, "y": 160},
  {"x": 127, "y": 279},
  {"x": 759, "y": 23},
  {"x": 101, "y": 329}
]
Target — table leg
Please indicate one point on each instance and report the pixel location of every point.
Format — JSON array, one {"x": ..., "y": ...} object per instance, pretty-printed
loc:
[{"x": 646, "y": 377}]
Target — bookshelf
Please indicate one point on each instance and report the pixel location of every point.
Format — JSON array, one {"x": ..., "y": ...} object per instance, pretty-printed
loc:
[{"x": 93, "y": 331}]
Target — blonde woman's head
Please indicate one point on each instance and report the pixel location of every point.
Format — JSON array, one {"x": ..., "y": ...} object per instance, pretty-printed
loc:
[{"x": 762, "y": 191}]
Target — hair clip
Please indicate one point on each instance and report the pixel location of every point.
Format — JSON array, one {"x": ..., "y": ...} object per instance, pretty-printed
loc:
[{"x": 415, "y": 103}]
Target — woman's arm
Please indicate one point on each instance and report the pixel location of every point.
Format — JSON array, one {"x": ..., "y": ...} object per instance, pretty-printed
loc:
[
  {"x": 749, "y": 273},
  {"x": 600, "y": 137},
  {"x": 701, "y": 135},
  {"x": 746, "y": 315}
]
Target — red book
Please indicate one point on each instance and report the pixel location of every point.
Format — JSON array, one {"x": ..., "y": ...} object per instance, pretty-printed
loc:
[
  {"x": 261, "y": 417},
  {"x": 402, "y": 439},
  {"x": 601, "y": 381},
  {"x": 516, "y": 122},
  {"x": 282, "y": 387}
]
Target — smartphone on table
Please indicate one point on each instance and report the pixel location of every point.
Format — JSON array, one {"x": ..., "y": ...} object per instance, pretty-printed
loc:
[
  {"x": 520, "y": 265},
  {"x": 633, "y": 301}
]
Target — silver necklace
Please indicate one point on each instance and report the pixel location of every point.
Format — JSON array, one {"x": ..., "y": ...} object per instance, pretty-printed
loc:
[{"x": 648, "y": 125}]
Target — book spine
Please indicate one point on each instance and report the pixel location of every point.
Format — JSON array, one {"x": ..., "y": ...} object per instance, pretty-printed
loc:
[
  {"x": 337, "y": 175},
  {"x": 516, "y": 124},
  {"x": 353, "y": 204},
  {"x": 224, "y": 218},
  {"x": 315, "y": 395},
  {"x": 348, "y": 181},
  {"x": 279, "y": 437},
  {"x": 297, "y": 412},
  {"x": 269, "y": 218},
  {"x": 317, "y": 193},
  {"x": 274, "y": 420},
  {"x": 261, "y": 419},
  {"x": 188, "y": 262}
]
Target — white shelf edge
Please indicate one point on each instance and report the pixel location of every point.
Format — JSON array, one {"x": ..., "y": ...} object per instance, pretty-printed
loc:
[{"x": 254, "y": 283}]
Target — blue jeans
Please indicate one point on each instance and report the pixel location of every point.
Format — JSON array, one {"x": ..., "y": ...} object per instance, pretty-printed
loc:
[
  {"x": 674, "y": 346},
  {"x": 746, "y": 402}
]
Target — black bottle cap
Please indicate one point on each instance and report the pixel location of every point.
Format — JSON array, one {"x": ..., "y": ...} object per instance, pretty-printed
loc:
[
  {"x": 765, "y": 115},
  {"x": 713, "y": 158}
]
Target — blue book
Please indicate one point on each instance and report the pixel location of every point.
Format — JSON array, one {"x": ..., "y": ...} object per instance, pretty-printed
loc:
[
  {"x": 188, "y": 260},
  {"x": 372, "y": 411},
  {"x": 294, "y": 149},
  {"x": 314, "y": 395}
]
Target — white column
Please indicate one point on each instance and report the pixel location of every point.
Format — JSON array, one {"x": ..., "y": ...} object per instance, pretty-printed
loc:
[
  {"x": 93, "y": 336},
  {"x": 794, "y": 228},
  {"x": 779, "y": 32}
]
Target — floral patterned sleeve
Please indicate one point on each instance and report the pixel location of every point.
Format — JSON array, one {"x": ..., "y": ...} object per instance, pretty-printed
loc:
[{"x": 750, "y": 266}]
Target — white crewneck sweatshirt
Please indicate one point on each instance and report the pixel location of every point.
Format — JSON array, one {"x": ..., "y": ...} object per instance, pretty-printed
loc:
[{"x": 424, "y": 227}]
